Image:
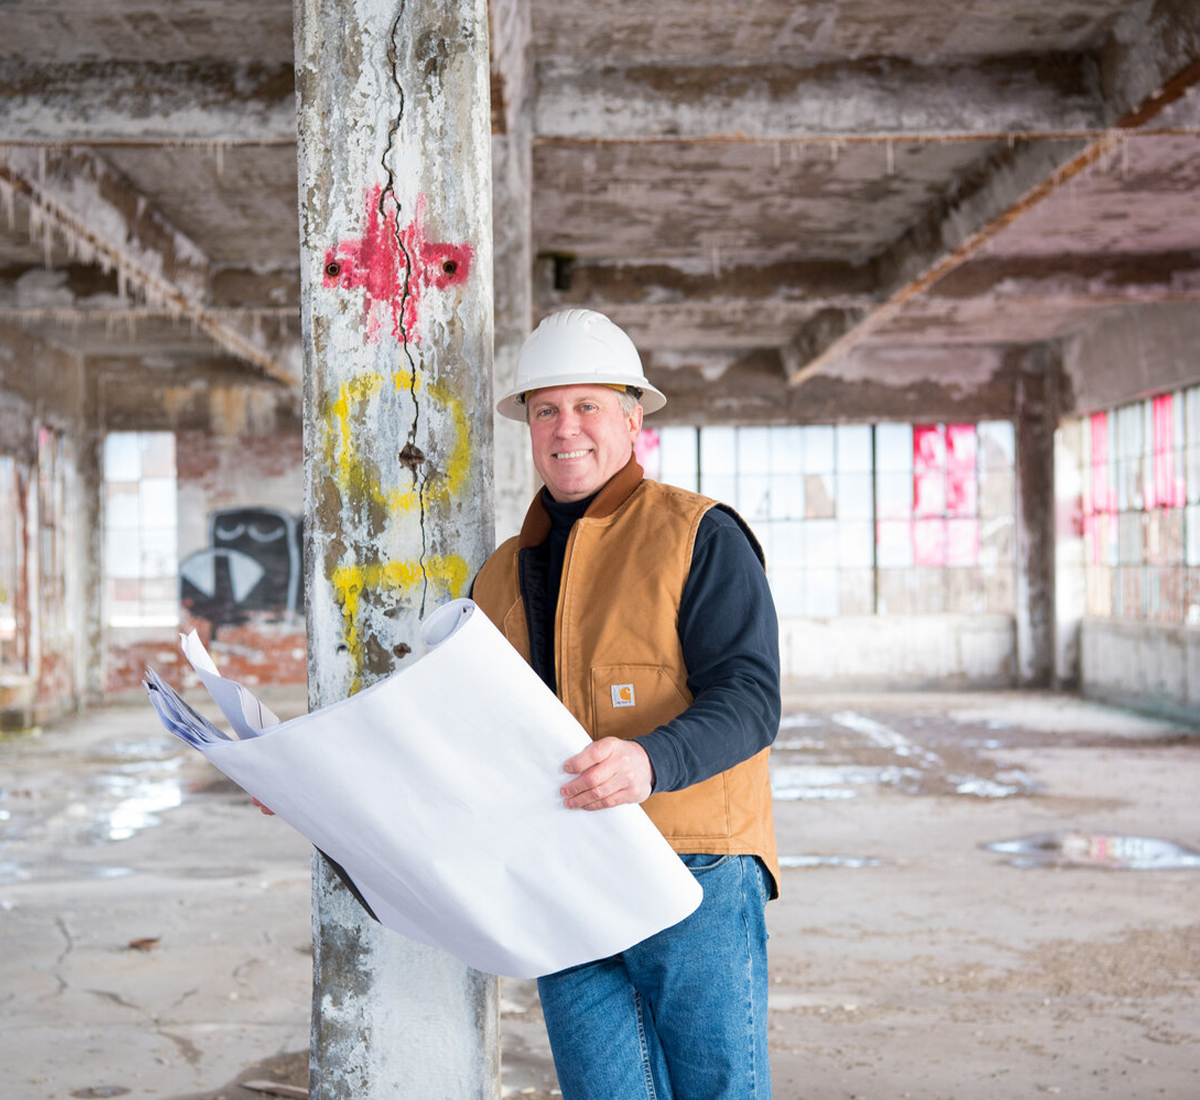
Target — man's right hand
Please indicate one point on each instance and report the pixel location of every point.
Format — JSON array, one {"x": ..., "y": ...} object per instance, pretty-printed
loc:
[
  {"x": 612, "y": 772},
  {"x": 261, "y": 807}
]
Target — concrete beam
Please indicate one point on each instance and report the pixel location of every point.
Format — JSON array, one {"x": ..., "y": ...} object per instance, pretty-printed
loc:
[
  {"x": 1138, "y": 352},
  {"x": 1162, "y": 68},
  {"x": 71, "y": 286},
  {"x": 568, "y": 282},
  {"x": 1150, "y": 59},
  {"x": 871, "y": 383},
  {"x": 1097, "y": 277},
  {"x": 74, "y": 194},
  {"x": 824, "y": 328},
  {"x": 89, "y": 288},
  {"x": 100, "y": 102},
  {"x": 41, "y": 379},
  {"x": 871, "y": 97}
]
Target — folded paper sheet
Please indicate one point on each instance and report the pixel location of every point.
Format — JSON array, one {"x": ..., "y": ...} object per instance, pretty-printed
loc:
[{"x": 437, "y": 792}]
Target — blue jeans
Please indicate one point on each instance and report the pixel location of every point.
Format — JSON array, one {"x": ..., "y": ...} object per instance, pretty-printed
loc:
[{"x": 679, "y": 1016}]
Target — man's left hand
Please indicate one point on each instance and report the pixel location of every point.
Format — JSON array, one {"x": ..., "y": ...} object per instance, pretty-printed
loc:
[{"x": 612, "y": 772}]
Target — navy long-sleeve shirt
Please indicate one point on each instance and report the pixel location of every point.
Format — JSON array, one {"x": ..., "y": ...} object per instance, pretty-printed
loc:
[{"x": 729, "y": 634}]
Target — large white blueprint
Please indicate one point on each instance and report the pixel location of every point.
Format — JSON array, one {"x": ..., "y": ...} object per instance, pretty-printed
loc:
[{"x": 437, "y": 792}]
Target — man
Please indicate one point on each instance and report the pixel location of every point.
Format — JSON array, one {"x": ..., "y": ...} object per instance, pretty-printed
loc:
[{"x": 646, "y": 609}]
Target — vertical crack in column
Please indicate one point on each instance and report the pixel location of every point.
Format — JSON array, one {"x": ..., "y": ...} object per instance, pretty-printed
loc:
[{"x": 419, "y": 471}]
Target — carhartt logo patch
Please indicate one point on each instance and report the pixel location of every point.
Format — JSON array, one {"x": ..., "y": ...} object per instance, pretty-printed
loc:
[{"x": 622, "y": 695}]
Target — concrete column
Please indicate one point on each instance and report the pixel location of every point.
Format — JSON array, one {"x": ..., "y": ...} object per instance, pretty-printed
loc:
[
  {"x": 1070, "y": 564},
  {"x": 91, "y": 480},
  {"x": 395, "y": 225},
  {"x": 1036, "y": 403},
  {"x": 512, "y": 214}
]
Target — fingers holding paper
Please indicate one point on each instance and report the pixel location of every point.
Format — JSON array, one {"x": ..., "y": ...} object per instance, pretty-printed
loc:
[
  {"x": 610, "y": 772},
  {"x": 261, "y": 807}
]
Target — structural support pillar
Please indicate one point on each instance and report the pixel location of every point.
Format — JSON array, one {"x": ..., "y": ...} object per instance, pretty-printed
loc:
[
  {"x": 396, "y": 262},
  {"x": 1037, "y": 379},
  {"x": 91, "y": 648},
  {"x": 512, "y": 214}
]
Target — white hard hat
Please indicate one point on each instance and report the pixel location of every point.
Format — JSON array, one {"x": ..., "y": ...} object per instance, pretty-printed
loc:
[{"x": 577, "y": 347}]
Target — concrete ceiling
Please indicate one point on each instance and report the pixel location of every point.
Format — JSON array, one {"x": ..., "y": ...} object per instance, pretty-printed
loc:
[{"x": 801, "y": 188}]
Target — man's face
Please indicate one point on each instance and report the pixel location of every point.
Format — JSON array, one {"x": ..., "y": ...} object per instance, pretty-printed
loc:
[{"x": 580, "y": 438}]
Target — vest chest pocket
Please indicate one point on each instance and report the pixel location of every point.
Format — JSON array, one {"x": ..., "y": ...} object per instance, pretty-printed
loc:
[{"x": 629, "y": 700}]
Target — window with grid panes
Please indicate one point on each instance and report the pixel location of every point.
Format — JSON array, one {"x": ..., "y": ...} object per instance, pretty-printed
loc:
[
  {"x": 858, "y": 519},
  {"x": 141, "y": 564},
  {"x": 1141, "y": 509}
]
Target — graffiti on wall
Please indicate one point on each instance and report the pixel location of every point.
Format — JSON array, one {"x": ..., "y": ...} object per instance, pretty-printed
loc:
[{"x": 254, "y": 563}]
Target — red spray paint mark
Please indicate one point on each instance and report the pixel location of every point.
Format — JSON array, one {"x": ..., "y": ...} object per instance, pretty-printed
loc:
[{"x": 379, "y": 261}]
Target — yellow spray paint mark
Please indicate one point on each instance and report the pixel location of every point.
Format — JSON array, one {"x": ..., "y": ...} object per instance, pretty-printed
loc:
[
  {"x": 394, "y": 579},
  {"x": 343, "y": 453}
]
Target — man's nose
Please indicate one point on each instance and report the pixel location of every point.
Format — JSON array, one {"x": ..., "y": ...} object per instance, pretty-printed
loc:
[{"x": 568, "y": 423}]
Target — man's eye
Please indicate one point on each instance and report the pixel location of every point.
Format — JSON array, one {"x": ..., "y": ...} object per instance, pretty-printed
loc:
[{"x": 542, "y": 413}]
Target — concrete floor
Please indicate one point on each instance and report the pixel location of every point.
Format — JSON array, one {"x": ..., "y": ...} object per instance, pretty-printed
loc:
[{"x": 156, "y": 942}]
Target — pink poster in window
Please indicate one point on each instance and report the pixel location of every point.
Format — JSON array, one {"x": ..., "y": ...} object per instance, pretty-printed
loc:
[
  {"x": 962, "y": 482},
  {"x": 1165, "y": 494},
  {"x": 929, "y": 448},
  {"x": 962, "y": 542},
  {"x": 1101, "y": 499},
  {"x": 1091, "y": 547},
  {"x": 648, "y": 452},
  {"x": 961, "y": 446},
  {"x": 929, "y": 541},
  {"x": 929, "y": 470}
]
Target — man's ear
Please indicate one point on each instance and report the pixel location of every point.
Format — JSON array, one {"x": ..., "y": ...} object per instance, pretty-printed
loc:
[{"x": 635, "y": 422}]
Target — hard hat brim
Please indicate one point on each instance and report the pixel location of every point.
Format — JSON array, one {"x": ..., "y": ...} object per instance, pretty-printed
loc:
[{"x": 512, "y": 406}]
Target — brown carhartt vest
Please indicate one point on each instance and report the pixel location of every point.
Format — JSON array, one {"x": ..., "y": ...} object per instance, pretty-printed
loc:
[{"x": 618, "y": 658}]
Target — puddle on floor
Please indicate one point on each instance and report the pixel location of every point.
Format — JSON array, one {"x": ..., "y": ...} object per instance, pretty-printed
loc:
[
  {"x": 818, "y": 782},
  {"x": 13, "y": 872},
  {"x": 1114, "y": 853},
  {"x": 132, "y": 799},
  {"x": 852, "y": 753},
  {"x": 118, "y": 793},
  {"x": 829, "y": 861}
]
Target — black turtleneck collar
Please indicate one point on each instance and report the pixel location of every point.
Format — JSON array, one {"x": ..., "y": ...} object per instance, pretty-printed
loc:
[{"x": 565, "y": 513}]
